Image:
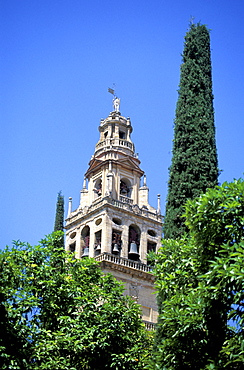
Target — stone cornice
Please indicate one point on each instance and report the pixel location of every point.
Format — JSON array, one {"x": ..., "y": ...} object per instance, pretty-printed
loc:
[{"x": 107, "y": 202}]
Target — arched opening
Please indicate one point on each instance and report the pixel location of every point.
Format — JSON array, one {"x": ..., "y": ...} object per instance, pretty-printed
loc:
[
  {"x": 151, "y": 247},
  {"x": 98, "y": 188},
  {"x": 85, "y": 241},
  {"x": 121, "y": 134},
  {"x": 134, "y": 243},
  {"x": 97, "y": 245},
  {"x": 125, "y": 188},
  {"x": 116, "y": 242},
  {"x": 72, "y": 247}
]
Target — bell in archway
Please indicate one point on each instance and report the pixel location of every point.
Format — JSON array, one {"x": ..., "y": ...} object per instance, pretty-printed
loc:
[
  {"x": 98, "y": 248},
  {"x": 86, "y": 252},
  {"x": 133, "y": 249},
  {"x": 115, "y": 248}
]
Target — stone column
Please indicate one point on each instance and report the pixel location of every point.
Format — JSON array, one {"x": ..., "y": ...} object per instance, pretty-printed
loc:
[
  {"x": 143, "y": 246},
  {"x": 106, "y": 234},
  {"x": 92, "y": 240},
  {"x": 124, "y": 238},
  {"x": 78, "y": 244}
]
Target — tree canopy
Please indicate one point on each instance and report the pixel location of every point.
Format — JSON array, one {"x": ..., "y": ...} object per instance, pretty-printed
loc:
[
  {"x": 200, "y": 282},
  {"x": 58, "y": 312},
  {"x": 194, "y": 166}
]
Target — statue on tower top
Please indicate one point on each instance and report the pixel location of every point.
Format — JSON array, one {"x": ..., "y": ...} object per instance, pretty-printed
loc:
[
  {"x": 116, "y": 103},
  {"x": 116, "y": 100}
]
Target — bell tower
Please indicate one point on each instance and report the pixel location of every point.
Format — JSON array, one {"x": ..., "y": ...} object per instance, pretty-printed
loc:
[{"x": 114, "y": 222}]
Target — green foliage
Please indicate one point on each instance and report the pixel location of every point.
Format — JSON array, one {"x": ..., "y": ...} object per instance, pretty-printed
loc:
[
  {"x": 200, "y": 282},
  {"x": 194, "y": 166},
  {"x": 59, "y": 217},
  {"x": 58, "y": 312}
]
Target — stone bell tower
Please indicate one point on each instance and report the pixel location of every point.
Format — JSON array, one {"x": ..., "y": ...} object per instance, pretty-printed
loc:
[{"x": 114, "y": 222}]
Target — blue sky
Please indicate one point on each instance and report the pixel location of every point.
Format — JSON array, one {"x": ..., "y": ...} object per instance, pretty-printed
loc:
[{"x": 57, "y": 60}]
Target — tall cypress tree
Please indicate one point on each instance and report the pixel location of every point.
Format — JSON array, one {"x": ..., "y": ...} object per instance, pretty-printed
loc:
[
  {"x": 59, "y": 217},
  {"x": 194, "y": 166}
]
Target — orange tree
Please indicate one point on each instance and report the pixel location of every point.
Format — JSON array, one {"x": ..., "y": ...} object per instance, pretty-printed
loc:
[{"x": 58, "y": 312}]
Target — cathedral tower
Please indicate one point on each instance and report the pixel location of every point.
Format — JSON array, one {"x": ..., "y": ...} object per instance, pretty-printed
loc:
[{"x": 114, "y": 222}]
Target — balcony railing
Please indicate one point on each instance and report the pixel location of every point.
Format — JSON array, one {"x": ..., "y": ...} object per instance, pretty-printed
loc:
[
  {"x": 115, "y": 142},
  {"x": 124, "y": 199},
  {"x": 123, "y": 262},
  {"x": 149, "y": 325}
]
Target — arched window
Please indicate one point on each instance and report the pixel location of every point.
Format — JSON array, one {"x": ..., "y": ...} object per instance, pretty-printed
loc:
[
  {"x": 72, "y": 247},
  {"x": 125, "y": 187},
  {"x": 116, "y": 242},
  {"x": 85, "y": 241},
  {"x": 98, "y": 188},
  {"x": 151, "y": 247},
  {"x": 134, "y": 243},
  {"x": 122, "y": 135},
  {"x": 97, "y": 245}
]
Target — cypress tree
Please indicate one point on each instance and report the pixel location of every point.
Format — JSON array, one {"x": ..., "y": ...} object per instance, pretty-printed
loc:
[
  {"x": 194, "y": 166},
  {"x": 59, "y": 217}
]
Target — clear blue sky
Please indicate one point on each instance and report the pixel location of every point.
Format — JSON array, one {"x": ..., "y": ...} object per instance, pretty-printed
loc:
[{"x": 57, "y": 60}]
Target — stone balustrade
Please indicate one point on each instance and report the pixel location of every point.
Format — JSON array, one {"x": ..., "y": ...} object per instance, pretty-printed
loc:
[
  {"x": 123, "y": 262},
  {"x": 124, "y": 199},
  {"x": 115, "y": 142},
  {"x": 150, "y": 326}
]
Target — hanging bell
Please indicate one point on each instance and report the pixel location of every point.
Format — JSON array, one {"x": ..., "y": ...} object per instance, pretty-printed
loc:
[
  {"x": 86, "y": 252},
  {"x": 133, "y": 249},
  {"x": 98, "y": 248},
  {"x": 115, "y": 248}
]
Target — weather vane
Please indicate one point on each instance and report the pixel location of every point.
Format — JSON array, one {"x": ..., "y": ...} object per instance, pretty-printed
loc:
[
  {"x": 116, "y": 100},
  {"x": 192, "y": 20}
]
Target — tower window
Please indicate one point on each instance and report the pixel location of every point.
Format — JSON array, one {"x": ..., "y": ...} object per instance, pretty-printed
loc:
[
  {"x": 98, "y": 188},
  {"x": 151, "y": 247},
  {"x": 85, "y": 241},
  {"x": 72, "y": 248},
  {"x": 116, "y": 242},
  {"x": 125, "y": 188},
  {"x": 122, "y": 135},
  {"x": 134, "y": 243},
  {"x": 97, "y": 245}
]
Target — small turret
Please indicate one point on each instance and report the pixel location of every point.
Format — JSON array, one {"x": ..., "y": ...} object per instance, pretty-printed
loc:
[{"x": 115, "y": 133}]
